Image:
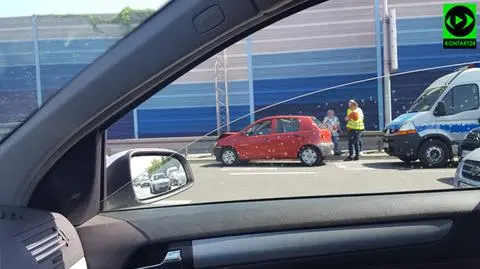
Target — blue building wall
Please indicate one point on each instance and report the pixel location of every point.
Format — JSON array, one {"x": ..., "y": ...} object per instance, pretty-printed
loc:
[{"x": 282, "y": 69}]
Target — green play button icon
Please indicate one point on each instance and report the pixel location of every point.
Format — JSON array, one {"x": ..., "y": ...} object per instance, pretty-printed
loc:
[
  {"x": 459, "y": 25},
  {"x": 458, "y": 20}
]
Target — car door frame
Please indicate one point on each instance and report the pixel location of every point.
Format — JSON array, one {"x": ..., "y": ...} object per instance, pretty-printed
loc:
[
  {"x": 282, "y": 142},
  {"x": 255, "y": 147}
]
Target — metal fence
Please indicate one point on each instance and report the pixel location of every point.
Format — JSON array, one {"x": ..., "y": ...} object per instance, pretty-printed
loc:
[{"x": 202, "y": 145}]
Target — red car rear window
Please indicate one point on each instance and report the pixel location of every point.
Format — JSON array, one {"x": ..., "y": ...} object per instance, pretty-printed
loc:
[{"x": 318, "y": 122}]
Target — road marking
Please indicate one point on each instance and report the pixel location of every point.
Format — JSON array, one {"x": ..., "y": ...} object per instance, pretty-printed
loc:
[
  {"x": 248, "y": 168},
  {"x": 271, "y": 173},
  {"x": 349, "y": 168},
  {"x": 173, "y": 202},
  {"x": 392, "y": 169},
  {"x": 341, "y": 166}
]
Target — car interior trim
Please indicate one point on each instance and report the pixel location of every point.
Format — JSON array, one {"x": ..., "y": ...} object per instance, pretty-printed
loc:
[{"x": 254, "y": 248}]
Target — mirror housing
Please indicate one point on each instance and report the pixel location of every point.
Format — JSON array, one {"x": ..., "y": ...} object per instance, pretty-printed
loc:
[
  {"x": 123, "y": 184},
  {"x": 440, "y": 110}
]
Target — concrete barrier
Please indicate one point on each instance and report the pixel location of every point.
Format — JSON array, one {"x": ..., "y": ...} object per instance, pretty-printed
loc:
[
  {"x": 6, "y": 128},
  {"x": 198, "y": 145}
]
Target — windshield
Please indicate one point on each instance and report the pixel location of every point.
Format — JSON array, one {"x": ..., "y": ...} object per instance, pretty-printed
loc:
[
  {"x": 427, "y": 99},
  {"x": 45, "y": 44},
  {"x": 327, "y": 73}
]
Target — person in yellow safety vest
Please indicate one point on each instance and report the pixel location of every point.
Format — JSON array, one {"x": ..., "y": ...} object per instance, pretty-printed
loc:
[
  {"x": 355, "y": 126},
  {"x": 360, "y": 141}
]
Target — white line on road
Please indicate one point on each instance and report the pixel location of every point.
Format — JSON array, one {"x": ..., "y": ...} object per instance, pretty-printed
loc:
[
  {"x": 344, "y": 167},
  {"x": 248, "y": 168},
  {"x": 389, "y": 170},
  {"x": 341, "y": 166},
  {"x": 271, "y": 173}
]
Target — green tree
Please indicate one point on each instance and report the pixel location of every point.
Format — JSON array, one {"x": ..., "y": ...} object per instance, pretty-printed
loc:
[
  {"x": 126, "y": 17},
  {"x": 156, "y": 165}
]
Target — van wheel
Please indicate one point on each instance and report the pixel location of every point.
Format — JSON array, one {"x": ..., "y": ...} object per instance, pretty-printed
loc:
[
  {"x": 310, "y": 156},
  {"x": 229, "y": 157},
  {"x": 433, "y": 154}
]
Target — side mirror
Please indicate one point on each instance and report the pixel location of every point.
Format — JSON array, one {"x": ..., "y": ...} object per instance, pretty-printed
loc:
[
  {"x": 138, "y": 177},
  {"x": 440, "y": 110}
]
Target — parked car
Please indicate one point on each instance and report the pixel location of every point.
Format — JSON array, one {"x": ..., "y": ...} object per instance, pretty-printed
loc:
[
  {"x": 159, "y": 183},
  {"x": 470, "y": 143},
  {"x": 437, "y": 120},
  {"x": 468, "y": 171},
  {"x": 142, "y": 181},
  {"x": 177, "y": 176},
  {"x": 279, "y": 137}
]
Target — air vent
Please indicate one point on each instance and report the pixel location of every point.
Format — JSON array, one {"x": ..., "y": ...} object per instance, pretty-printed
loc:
[
  {"x": 47, "y": 246},
  {"x": 10, "y": 216}
]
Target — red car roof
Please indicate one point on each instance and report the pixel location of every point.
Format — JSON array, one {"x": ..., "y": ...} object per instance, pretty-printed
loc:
[{"x": 286, "y": 116}]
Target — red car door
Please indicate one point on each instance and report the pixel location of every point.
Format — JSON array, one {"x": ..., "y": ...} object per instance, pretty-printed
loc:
[
  {"x": 254, "y": 143},
  {"x": 286, "y": 139}
]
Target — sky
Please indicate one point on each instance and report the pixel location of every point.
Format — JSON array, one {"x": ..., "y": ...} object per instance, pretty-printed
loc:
[{"x": 46, "y": 7}]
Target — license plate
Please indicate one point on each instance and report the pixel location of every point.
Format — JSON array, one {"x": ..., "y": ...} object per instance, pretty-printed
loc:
[
  {"x": 386, "y": 145},
  {"x": 463, "y": 185}
]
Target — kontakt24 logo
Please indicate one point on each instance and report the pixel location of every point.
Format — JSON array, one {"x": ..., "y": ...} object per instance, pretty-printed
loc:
[{"x": 460, "y": 26}]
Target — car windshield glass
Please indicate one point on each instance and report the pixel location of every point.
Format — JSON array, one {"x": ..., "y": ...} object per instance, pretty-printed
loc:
[
  {"x": 231, "y": 116},
  {"x": 427, "y": 99},
  {"x": 45, "y": 44},
  {"x": 325, "y": 73}
]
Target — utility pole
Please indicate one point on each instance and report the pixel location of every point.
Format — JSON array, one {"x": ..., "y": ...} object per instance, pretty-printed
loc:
[
  {"x": 222, "y": 103},
  {"x": 390, "y": 60},
  {"x": 387, "y": 91}
]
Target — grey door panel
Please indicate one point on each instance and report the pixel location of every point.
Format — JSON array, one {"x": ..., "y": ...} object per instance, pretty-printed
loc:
[
  {"x": 331, "y": 232},
  {"x": 254, "y": 248}
]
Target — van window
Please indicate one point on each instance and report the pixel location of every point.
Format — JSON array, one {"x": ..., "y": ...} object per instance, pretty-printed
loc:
[
  {"x": 288, "y": 125},
  {"x": 427, "y": 99},
  {"x": 461, "y": 98}
]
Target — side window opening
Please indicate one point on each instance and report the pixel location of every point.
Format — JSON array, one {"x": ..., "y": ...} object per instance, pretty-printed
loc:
[
  {"x": 262, "y": 128},
  {"x": 462, "y": 98},
  {"x": 287, "y": 125}
]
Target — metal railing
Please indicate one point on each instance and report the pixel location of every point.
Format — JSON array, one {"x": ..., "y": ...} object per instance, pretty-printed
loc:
[
  {"x": 185, "y": 145},
  {"x": 7, "y": 128}
]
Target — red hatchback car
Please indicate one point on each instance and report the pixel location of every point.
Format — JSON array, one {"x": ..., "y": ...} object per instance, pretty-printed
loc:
[{"x": 279, "y": 137}]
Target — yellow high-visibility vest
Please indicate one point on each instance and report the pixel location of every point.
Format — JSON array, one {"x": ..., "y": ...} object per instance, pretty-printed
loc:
[{"x": 356, "y": 124}]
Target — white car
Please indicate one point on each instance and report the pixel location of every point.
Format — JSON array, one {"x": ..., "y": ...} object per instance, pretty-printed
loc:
[
  {"x": 468, "y": 171},
  {"x": 159, "y": 183}
]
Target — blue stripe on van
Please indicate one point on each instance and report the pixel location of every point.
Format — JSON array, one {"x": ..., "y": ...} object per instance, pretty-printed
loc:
[{"x": 450, "y": 128}]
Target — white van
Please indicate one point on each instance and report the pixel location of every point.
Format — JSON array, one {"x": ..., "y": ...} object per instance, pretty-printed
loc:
[{"x": 437, "y": 121}]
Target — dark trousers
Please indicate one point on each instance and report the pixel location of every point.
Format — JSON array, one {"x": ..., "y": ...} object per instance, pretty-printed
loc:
[{"x": 354, "y": 143}]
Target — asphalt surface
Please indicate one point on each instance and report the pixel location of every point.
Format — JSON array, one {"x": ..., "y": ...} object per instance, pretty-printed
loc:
[{"x": 215, "y": 183}]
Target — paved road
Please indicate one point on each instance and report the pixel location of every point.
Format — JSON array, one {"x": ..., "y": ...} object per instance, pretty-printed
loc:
[{"x": 256, "y": 181}]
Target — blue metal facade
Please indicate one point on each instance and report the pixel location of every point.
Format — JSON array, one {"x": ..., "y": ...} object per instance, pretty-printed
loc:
[{"x": 299, "y": 55}]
